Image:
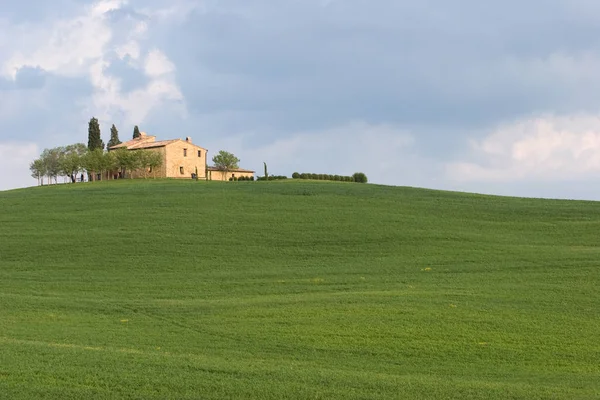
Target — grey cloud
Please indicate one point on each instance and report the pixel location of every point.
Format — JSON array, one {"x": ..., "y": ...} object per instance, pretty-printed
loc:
[
  {"x": 131, "y": 78},
  {"x": 439, "y": 65},
  {"x": 49, "y": 115},
  {"x": 30, "y": 78}
]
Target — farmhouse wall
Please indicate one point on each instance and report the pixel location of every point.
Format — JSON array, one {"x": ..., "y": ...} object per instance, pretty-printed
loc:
[
  {"x": 222, "y": 176},
  {"x": 180, "y": 164}
]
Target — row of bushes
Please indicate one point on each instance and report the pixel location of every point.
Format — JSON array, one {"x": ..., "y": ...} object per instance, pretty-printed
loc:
[
  {"x": 272, "y": 178},
  {"x": 241, "y": 178},
  {"x": 357, "y": 177}
]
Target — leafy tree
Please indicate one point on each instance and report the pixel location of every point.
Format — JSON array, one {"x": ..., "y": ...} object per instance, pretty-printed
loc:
[
  {"x": 94, "y": 140},
  {"x": 136, "y": 132},
  {"x": 109, "y": 161},
  {"x": 154, "y": 160},
  {"x": 135, "y": 161},
  {"x": 114, "y": 137},
  {"x": 51, "y": 160},
  {"x": 225, "y": 161},
  {"x": 38, "y": 170},
  {"x": 122, "y": 160},
  {"x": 93, "y": 162},
  {"x": 71, "y": 160},
  {"x": 360, "y": 177}
]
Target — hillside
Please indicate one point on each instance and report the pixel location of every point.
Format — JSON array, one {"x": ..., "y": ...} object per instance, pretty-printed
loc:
[{"x": 182, "y": 289}]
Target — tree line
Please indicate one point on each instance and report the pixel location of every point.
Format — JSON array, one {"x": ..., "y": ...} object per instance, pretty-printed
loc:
[{"x": 69, "y": 161}]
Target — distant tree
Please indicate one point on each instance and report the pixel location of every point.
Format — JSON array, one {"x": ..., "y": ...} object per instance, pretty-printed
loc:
[
  {"x": 225, "y": 161},
  {"x": 148, "y": 160},
  {"x": 154, "y": 161},
  {"x": 114, "y": 137},
  {"x": 136, "y": 132},
  {"x": 122, "y": 160},
  {"x": 266, "y": 172},
  {"x": 51, "y": 160},
  {"x": 93, "y": 162},
  {"x": 109, "y": 162},
  {"x": 135, "y": 161},
  {"x": 71, "y": 160},
  {"x": 38, "y": 170},
  {"x": 360, "y": 177},
  {"x": 94, "y": 140}
]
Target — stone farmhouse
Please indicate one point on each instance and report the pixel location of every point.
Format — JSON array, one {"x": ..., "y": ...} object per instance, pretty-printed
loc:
[{"x": 181, "y": 159}]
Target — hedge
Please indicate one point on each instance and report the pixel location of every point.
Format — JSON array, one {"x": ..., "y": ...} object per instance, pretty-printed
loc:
[{"x": 357, "y": 177}]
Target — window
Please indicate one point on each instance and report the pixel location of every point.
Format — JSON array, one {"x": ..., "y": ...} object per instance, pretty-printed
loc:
[
  {"x": 185, "y": 152},
  {"x": 199, "y": 153},
  {"x": 181, "y": 170}
]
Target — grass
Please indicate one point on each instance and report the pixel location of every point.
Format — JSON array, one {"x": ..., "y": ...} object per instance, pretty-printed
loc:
[{"x": 271, "y": 290}]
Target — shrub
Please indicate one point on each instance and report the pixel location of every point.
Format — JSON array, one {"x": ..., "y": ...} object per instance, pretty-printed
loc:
[
  {"x": 295, "y": 175},
  {"x": 360, "y": 177}
]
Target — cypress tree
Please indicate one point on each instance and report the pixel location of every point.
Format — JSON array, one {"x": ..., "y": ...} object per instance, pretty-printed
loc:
[
  {"x": 136, "y": 132},
  {"x": 114, "y": 137},
  {"x": 94, "y": 139}
]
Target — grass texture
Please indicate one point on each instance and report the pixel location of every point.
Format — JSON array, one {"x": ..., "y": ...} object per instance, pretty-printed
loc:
[{"x": 295, "y": 290}]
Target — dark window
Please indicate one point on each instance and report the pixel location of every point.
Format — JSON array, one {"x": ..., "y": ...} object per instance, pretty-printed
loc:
[
  {"x": 199, "y": 153},
  {"x": 181, "y": 170},
  {"x": 185, "y": 152}
]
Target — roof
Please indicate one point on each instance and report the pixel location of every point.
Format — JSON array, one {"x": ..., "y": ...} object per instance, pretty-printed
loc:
[
  {"x": 148, "y": 142},
  {"x": 230, "y": 170},
  {"x": 148, "y": 145},
  {"x": 133, "y": 142}
]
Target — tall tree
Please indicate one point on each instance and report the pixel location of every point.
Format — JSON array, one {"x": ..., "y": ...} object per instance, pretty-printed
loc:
[
  {"x": 93, "y": 163},
  {"x": 136, "y": 132},
  {"x": 71, "y": 160},
  {"x": 38, "y": 170},
  {"x": 114, "y": 137},
  {"x": 154, "y": 160},
  {"x": 225, "y": 161},
  {"x": 94, "y": 139},
  {"x": 51, "y": 160}
]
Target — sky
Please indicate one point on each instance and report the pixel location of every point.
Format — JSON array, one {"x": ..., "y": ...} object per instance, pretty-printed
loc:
[{"x": 488, "y": 97}]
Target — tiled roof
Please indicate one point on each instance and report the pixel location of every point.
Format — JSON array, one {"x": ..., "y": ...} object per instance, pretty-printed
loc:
[
  {"x": 148, "y": 145},
  {"x": 132, "y": 142}
]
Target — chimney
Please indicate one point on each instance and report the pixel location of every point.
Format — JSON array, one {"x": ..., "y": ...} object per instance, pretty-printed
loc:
[{"x": 188, "y": 139}]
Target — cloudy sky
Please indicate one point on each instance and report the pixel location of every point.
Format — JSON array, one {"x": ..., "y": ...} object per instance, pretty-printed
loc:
[{"x": 491, "y": 97}]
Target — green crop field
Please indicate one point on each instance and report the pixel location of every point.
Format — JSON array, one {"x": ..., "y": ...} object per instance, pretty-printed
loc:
[{"x": 279, "y": 290}]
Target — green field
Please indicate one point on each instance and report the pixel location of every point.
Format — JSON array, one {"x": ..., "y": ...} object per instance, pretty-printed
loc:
[{"x": 276, "y": 290}]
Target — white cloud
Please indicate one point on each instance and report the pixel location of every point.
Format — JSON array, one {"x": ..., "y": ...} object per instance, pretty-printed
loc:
[
  {"x": 81, "y": 47},
  {"x": 548, "y": 148},
  {"x": 157, "y": 64},
  {"x": 14, "y": 164}
]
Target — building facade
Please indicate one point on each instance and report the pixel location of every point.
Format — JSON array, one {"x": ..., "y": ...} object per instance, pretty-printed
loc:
[{"x": 181, "y": 159}]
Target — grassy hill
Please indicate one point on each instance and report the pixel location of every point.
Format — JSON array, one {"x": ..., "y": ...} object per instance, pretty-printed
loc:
[{"x": 271, "y": 290}]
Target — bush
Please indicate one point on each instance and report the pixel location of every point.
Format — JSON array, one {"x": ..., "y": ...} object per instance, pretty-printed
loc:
[
  {"x": 360, "y": 177},
  {"x": 272, "y": 178},
  {"x": 295, "y": 175}
]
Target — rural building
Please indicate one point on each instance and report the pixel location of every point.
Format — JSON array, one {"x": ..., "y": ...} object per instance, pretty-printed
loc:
[
  {"x": 219, "y": 175},
  {"x": 180, "y": 159}
]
